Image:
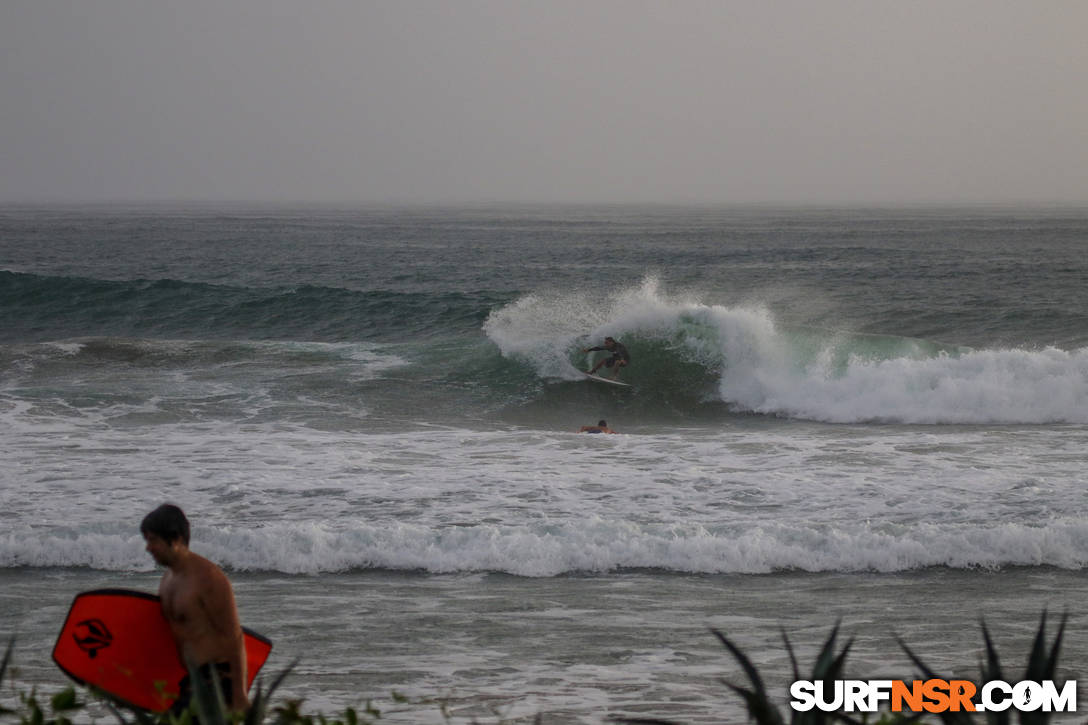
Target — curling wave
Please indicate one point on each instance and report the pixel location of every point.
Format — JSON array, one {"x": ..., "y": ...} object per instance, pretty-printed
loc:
[{"x": 757, "y": 365}]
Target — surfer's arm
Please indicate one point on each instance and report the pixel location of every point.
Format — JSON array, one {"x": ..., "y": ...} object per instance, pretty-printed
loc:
[
  {"x": 239, "y": 676},
  {"x": 237, "y": 660},
  {"x": 223, "y": 615}
]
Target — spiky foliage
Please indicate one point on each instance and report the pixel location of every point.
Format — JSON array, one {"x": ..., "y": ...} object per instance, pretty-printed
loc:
[
  {"x": 1042, "y": 665},
  {"x": 827, "y": 668},
  {"x": 4, "y": 668},
  {"x": 208, "y": 702},
  {"x": 62, "y": 705},
  {"x": 209, "y": 707}
]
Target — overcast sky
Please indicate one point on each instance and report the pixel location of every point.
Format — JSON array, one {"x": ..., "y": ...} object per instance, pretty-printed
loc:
[{"x": 552, "y": 100}]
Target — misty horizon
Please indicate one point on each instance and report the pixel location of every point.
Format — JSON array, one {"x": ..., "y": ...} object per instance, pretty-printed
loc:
[{"x": 699, "y": 103}]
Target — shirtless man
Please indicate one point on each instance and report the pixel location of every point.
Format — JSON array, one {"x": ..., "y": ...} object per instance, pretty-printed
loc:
[
  {"x": 198, "y": 603},
  {"x": 601, "y": 427},
  {"x": 619, "y": 359}
]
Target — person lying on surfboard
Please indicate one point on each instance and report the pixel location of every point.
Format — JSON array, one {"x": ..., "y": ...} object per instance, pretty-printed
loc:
[
  {"x": 601, "y": 427},
  {"x": 198, "y": 604},
  {"x": 619, "y": 359}
]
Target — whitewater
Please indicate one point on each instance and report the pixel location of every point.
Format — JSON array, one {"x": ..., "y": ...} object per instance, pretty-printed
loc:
[{"x": 823, "y": 375}]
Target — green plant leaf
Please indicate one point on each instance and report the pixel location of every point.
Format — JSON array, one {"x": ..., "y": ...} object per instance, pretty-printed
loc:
[
  {"x": 1042, "y": 665},
  {"x": 947, "y": 717},
  {"x": 826, "y": 659},
  {"x": 65, "y": 700},
  {"x": 760, "y": 708},
  {"x": 7, "y": 658},
  {"x": 793, "y": 658}
]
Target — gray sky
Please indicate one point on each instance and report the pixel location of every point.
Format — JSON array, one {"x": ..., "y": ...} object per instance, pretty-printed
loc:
[{"x": 553, "y": 100}]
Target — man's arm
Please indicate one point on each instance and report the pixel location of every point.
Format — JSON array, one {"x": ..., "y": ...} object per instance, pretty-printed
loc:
[{"x": 223, "y": 616}]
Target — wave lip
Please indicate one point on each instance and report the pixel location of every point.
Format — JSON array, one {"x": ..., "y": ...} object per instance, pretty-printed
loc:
[
  {"x": 595, "y": 545},
  {"x": 758, "y": 365}
]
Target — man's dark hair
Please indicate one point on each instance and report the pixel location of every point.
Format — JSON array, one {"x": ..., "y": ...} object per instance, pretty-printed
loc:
[
  {"x": 601, "y": 423},
  {"x": 168, "y": 522}
]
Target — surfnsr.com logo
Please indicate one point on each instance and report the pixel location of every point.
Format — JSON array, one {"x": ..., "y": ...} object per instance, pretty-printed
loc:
[{"x": 933, "y": 696}]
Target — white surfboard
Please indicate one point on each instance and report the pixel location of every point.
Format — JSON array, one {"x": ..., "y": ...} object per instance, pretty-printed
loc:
[{"x": 599, "y": 379}]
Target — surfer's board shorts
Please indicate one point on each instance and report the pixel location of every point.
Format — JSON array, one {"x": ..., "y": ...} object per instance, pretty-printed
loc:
[{"x": 207, "y": 672}]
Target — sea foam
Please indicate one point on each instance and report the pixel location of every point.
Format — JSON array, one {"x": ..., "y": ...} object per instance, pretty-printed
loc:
[
  {"x": 594, "y": 545},
  {"x": 823, "y": 375}
]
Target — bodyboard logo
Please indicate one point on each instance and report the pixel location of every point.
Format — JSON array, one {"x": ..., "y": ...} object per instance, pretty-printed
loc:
[{"x": 92, "y": 635}]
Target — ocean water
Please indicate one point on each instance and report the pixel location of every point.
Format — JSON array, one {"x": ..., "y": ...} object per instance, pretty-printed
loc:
[{"x": 877, "y": 417}]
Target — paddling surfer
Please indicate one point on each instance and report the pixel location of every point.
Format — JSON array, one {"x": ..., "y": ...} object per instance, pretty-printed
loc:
[
  {"x": 601, "y": 427},
  {"x": 198, "y": 603},
  {"x": 619, "y": 358}
]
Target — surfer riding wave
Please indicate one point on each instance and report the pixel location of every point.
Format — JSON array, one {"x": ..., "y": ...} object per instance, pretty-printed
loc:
[{"x": 619, "y": 358}]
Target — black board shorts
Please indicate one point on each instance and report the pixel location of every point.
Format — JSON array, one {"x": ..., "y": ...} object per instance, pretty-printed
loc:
[{"x": 207, "y": 673}]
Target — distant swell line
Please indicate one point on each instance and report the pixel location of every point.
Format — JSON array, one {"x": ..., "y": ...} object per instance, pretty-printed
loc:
[{"x": 49, "y": 307}]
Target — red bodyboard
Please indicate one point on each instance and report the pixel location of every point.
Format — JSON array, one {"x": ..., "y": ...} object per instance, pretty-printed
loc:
[{"x": 118, "y": 641}]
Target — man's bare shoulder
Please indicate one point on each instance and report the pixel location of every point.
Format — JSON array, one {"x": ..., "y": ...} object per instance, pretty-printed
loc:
[{"x": 208, "y": 571}]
